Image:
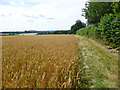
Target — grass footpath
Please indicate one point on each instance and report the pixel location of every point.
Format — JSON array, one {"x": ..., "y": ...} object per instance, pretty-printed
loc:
[{"x": 98, "y": 66}]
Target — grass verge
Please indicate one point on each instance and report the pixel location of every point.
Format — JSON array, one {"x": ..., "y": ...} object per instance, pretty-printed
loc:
[{"x": 98, "y": 67}]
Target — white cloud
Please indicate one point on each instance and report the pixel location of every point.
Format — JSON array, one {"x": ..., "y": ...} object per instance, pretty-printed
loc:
[
  {"x": 40, "y": 14},
  {"x": 12, "y": 3},
  {"x": 22, "y": 3}
]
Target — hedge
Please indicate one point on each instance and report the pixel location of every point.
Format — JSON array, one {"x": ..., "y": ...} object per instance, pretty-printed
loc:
[{"x": 108, "y": 29}]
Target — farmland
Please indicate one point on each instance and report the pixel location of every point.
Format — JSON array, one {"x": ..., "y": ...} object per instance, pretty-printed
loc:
[
  {"x": 28, "y": 34},
  {"x": 39, "y": 61},
  {"x": 41, "y": 49},
  {"x": 57, "y": 61}
]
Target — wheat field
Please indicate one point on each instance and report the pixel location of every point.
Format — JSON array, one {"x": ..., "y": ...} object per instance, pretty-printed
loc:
[{"x": 45, "y": 61}]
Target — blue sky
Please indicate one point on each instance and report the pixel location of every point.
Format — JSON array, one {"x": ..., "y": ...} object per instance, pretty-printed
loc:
[{"x": 20, "y": 15}]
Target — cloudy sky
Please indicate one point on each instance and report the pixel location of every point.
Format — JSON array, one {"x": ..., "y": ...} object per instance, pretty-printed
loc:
[{"x": 20, "y": 15}]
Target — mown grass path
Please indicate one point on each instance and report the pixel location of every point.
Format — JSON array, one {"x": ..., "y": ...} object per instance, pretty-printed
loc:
[{"x": 98, "y": 66}]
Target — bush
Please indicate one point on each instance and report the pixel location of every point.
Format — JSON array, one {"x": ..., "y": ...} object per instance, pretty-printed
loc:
[
  {"x": 84, "y": 31},
  {"x": 108, "y": 29}
]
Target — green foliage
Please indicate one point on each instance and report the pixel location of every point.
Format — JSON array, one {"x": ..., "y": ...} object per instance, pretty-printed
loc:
[
  {"x": 116, "y": 7},
  {"x": 84, "y": 31},
  {"x": 55, "y": 32},
  {"x": 95, "y": 10},
  {"x": 60, "y": 32},
  {"x": 106, "y": 17},
  {"x": 108, "y": 29},
  {"x": 77, "y": 26},
  {"x": 27, "y": 31},
  {"x": 11, "y": 34}
]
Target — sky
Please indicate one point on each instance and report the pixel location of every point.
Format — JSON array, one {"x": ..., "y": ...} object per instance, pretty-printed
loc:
[{"x": 42, "y": 15}]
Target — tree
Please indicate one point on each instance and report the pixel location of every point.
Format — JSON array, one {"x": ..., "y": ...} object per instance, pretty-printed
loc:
[
  {"x": 77, "y": 26},
  {"x": 93, "y": 11},
  {"x": 116, "y": 7}
]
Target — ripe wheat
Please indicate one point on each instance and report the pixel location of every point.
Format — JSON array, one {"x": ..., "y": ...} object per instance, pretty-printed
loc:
[{"x": 45, "y": 61}]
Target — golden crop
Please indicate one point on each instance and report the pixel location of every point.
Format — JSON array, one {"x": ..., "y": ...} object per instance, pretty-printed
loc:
[{"x": 39, "y": 61}]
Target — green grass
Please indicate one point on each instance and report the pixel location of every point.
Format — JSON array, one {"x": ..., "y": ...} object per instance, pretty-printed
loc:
[{"x": 102, "y": 71}]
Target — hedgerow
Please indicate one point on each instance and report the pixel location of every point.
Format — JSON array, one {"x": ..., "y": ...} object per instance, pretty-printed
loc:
[{"x": 107, "y": 29}]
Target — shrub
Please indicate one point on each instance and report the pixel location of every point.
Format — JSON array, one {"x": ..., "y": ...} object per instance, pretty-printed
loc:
[{"x": 108, "y": 29}]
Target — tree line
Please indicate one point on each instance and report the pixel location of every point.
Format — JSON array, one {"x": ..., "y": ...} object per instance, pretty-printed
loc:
[
  {"x": 105, "y": 20},
  {"x": 78, "y": 24}
]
